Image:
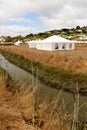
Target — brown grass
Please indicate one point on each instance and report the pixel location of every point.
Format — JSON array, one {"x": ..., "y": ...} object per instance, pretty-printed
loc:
[
  {"x": 74, "y": 60},
  {"x": 10, "y": 117},
  {"x": 16, "y": 112}
]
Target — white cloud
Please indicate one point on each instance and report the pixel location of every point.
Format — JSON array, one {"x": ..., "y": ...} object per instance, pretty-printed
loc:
[
  {"x": 16, "y": 30},
  {"x": 53, "y": 13},
  {"x": 67, "y": 16},
  {"x": 21, "y": 20}
]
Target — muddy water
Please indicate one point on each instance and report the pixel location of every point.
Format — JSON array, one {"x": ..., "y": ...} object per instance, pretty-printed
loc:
[{"x": 24, "y": 77}]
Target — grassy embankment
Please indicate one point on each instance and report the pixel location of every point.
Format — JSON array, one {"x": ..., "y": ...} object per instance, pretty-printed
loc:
[{"x": 53, "y": 76}]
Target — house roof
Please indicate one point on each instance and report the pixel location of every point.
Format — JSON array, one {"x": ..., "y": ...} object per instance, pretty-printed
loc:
[{"x": 55, "y": 38}]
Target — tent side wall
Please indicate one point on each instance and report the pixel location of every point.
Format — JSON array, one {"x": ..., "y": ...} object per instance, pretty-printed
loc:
[
  {"x": 73, "y": 46},
  {"x": 70, "y": 46},
  {"x": 44, "y": 46},
  {"x": 63, "y": 46},
  {"x": 32, "y": 45},
  {"x": 59, "y": 46}
]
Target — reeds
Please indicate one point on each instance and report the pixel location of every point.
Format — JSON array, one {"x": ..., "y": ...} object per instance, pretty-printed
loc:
[
  {"x": 33, "y": 98},
  {"x": 46, "y": 115},
  {"x": 76, "y": 109}
]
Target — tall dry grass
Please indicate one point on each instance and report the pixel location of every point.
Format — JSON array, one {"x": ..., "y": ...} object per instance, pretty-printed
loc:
[
  {"x": 19, "y": 112},
  {"x": 45, "y": 116},
  {"x": 48, "y": 115},
  {"x": 10, "y": 116}
]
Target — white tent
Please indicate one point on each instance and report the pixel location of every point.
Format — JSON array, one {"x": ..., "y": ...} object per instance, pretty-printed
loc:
[
  {"x": 18, "y": 43},
  {"x": 32, "y": 44},
  {"x": 55, "y": 43}
]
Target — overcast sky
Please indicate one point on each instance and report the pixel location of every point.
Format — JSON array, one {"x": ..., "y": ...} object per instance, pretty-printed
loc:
[{"x": 21, "y": 17}]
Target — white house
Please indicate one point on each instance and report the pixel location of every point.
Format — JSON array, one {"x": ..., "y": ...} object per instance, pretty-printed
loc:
[
  {"x": 54, "y": 43},
  {"x": 18, "y": 43},
  {"x": 2, "y": 39},
  {"x": 83, "y": 37}
]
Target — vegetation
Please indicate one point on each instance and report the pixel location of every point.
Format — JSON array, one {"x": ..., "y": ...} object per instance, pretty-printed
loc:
[
  {"x": 52, "y": 76},
  {"x": 73, "y": 33},
  {"x": 9, "y": 83},
  {"x": 5, "y": 76},
  {"x": 22, "y": 110}
]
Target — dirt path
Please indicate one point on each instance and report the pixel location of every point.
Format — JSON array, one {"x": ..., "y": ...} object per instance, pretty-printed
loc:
[{"x": 10, "y": 116}]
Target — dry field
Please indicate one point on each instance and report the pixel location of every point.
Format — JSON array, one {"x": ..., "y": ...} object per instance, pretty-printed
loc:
[{"x": 75, "y": 60}]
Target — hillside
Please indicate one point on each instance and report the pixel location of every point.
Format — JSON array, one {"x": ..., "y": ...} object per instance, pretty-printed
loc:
[{"x": 73, "y": 33}]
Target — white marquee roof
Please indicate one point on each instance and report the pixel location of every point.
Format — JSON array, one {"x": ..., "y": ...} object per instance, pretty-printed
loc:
[
  {"x": 51, "y": 39},
  {"x": 55, "y": 38}
]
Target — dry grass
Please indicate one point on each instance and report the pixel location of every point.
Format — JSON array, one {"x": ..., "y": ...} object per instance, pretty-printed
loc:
[
  {"x": 44, "y": 118},
  {"x": 10, "y": 117},
  {"x": 74, "y": 60},
  {"x": 16, "y": 112}
]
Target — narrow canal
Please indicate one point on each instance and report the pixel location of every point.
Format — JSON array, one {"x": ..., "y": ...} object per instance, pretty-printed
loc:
[{"x": 19, "y": 75}]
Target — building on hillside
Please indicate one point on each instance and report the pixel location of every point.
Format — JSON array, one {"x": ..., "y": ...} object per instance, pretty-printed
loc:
[
  {"x": 2, "y": 39},
  {"x": 83, "y": 38},
  {"x": 54, "y": 43}
]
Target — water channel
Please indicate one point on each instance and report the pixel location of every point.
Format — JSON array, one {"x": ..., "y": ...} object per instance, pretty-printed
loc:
[{"x": 24, "y": 77}]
